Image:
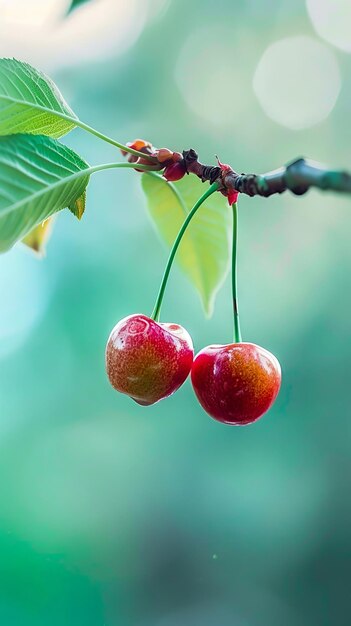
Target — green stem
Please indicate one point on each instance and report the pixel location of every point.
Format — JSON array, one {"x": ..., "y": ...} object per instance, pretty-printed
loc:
[
  {"x": 156, "y": 312},
  {"x": 121, "y": 146},
  {"x": 113, "y": 166},
  {"x": 237, "y": 332}
]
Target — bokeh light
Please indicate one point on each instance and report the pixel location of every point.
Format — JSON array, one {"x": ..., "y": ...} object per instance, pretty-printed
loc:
[
  {"x": 297, "y": 82},
  {"x": 208, "y": 75},
  {"x": 332, "y": 21},
  {"x": 39, "y": 33}
]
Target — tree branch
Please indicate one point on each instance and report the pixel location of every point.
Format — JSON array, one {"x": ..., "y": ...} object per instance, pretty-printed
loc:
[{"x": 298, "y": 177}]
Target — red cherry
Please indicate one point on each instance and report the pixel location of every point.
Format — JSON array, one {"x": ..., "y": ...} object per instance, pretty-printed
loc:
[
  {"x": 148, "y": 360},
  {"x": 236, "y": 383}
]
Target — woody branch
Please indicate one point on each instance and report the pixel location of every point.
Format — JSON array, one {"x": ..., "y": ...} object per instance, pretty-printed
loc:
[{"x": 298, "y": 177}]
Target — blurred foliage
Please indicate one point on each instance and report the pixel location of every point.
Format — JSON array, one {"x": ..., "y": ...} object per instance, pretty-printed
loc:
[
  {"x": 114, "y": 514},
  {"x": 75, "y": 4},
  {"x": 204, "y": 251}
]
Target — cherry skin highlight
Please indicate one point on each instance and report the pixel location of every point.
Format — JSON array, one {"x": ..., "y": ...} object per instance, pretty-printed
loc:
[
  {"x": 148, "y": 360},
  {"x": 236, "y": 383}
]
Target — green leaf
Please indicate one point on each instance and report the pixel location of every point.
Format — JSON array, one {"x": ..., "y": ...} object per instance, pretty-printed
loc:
[
  {"x": 75, "y": 4},
  {"x": 31, "y": 103},
  {"x": 37, "y": 238},
  {"x": 204, "y": 251},
  {"x": 38, "y": 177}
]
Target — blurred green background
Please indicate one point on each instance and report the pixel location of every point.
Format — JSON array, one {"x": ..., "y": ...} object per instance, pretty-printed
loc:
[{"x": 112, "y": 514}]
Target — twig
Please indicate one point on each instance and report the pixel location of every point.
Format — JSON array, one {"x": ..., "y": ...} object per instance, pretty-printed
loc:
[{"x": 298, "y": 177}]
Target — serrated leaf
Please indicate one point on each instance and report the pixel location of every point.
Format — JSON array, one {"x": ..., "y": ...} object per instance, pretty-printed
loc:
[
  {"x": 38, "y": 177},
  {"x": 75, "y": 4},
  {"x": 204, "y": 251},
  {"x": 37, "y": 238},
  {"x": 31, "y": 103}
]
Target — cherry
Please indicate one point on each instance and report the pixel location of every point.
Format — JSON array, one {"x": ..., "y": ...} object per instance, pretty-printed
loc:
[
  {"x": 236, "y": 383},
  {"x": 148, "y": 360}
]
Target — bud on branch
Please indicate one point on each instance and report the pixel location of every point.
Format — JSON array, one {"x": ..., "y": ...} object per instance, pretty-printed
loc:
[{"x": 298, "y": 176}]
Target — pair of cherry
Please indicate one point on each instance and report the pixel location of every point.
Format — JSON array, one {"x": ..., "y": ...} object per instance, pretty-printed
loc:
[{"x": 148, "y": 360}]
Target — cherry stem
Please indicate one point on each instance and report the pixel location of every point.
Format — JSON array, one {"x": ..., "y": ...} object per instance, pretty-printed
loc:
[
  {"x": 123, "y": 165},
  {"x": 157, "y": 308},
  {"x": 93, "y": 131},
  {"x": 121, "y": 146},
  {"x": 237, "y": 331}
]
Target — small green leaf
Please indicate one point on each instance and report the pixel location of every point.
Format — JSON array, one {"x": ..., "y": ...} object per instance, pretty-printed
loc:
[
  {"x": 78, "y": 206},
  {"x": 204, "y": 251},
  {"x": 31, "y": 103},
  {"x": 75, "y": 4},
  {"x": 38, "y": 177},
  {"x": 37, "y": 239}
]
